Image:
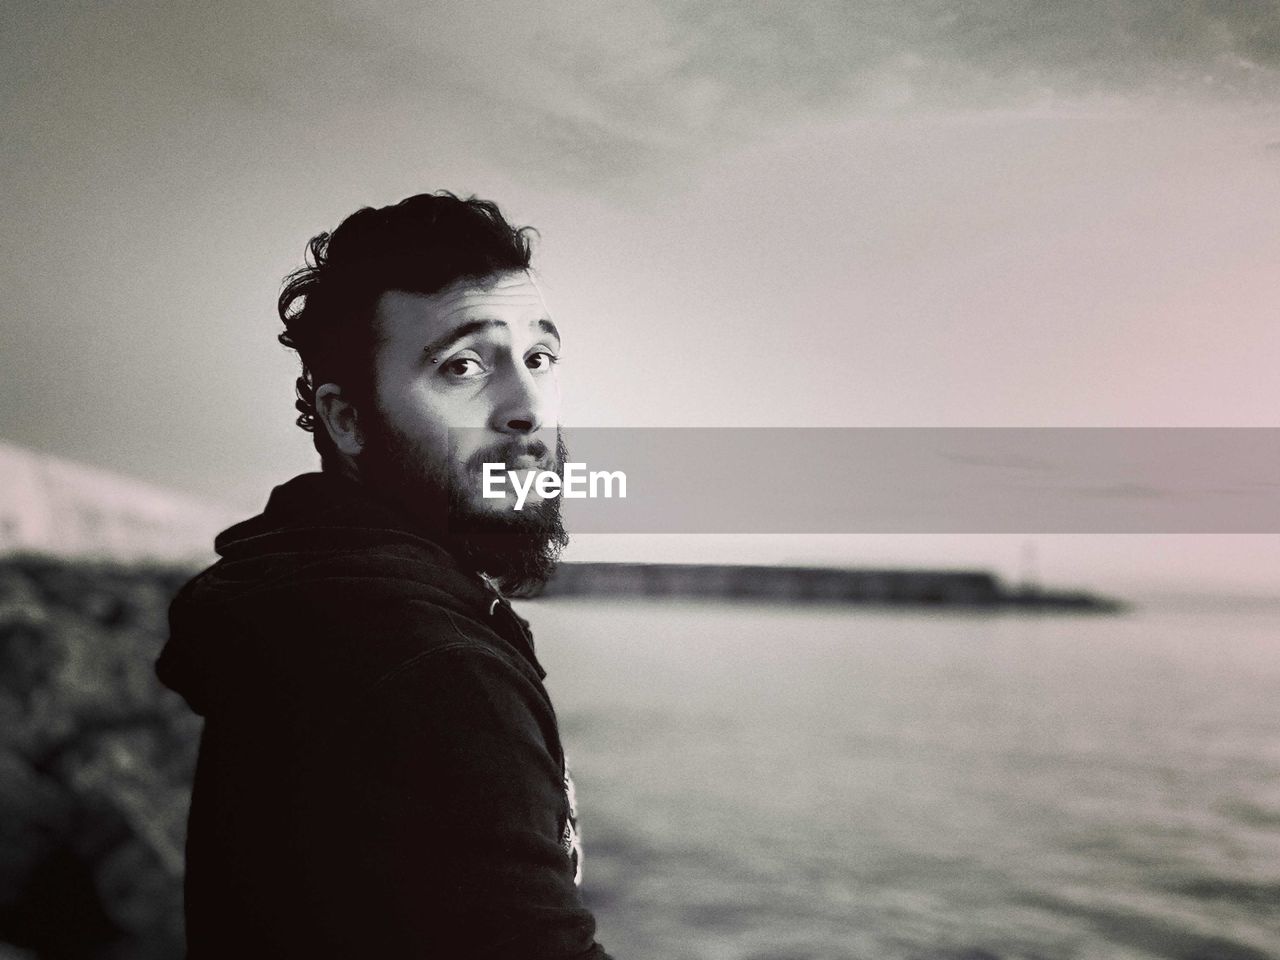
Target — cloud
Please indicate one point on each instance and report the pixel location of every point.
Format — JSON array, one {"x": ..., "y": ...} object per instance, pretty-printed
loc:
[
  {"x": 1123, "y": 491},
  {"x": 588, "y": 90},
  {"x": 599, "y": 85},
  {"x": 1012, "y": 462}
]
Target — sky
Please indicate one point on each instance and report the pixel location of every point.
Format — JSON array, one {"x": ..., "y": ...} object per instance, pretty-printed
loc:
[{"x": 920, "y": 213}]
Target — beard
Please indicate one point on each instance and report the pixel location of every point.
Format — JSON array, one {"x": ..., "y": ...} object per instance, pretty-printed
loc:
[{"x": 517, "y": 549}]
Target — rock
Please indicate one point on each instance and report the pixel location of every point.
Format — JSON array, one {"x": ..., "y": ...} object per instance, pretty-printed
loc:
[{"x": 96, "y": 760}]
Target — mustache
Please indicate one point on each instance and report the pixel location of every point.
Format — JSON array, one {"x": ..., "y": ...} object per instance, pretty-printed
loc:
[{"x": 508, "y": 452}]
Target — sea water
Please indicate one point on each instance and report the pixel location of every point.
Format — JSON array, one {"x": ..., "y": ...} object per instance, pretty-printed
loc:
[{"x": 760, "y": 781}]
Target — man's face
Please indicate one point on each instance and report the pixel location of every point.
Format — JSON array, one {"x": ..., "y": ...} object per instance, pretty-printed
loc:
[{"x": 476, "y": 358}]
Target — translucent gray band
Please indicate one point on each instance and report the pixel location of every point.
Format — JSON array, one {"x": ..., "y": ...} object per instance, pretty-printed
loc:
[{"x": 930, "y": 480}]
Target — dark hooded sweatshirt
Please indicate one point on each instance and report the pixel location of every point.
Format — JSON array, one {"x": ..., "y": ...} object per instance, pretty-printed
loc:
[{"x": 380, "y": 773}]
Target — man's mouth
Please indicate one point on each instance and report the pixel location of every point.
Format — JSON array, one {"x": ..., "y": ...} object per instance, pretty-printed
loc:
[
  {"x": 528, "y": 462},
  {"x": 534, "y": 455}
]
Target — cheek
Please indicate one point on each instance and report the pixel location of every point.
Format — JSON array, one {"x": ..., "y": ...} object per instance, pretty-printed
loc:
[
  {"x": 458, "y": 409},
  {"x": 451, "y": 426},
  {"x": 410, "y": 409}
]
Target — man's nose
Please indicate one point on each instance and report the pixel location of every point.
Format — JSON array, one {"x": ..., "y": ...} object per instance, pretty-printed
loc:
[{"x": 521, "y": 407}]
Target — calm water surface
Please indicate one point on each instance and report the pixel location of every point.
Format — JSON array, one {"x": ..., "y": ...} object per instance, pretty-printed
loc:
[{"x": 769, "y": 782}]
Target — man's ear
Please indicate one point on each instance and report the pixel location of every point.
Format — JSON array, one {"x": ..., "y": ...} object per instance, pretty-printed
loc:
[{"x": 340, "y": 418}]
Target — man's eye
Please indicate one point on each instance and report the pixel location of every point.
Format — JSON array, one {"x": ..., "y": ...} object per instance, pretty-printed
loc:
[
  {"x": 542, "y": 360},
  {"x": 462, "y": 367}
]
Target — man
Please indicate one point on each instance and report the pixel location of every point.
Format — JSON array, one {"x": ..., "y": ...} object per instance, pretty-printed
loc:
[{"x": 380, "y": 773}]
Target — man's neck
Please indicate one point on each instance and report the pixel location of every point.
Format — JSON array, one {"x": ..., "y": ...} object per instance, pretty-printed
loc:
[{"x": 338, "y": 465}]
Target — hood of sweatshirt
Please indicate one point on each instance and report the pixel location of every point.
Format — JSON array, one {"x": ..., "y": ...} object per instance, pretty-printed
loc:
[{"x": 315, "y": 600}]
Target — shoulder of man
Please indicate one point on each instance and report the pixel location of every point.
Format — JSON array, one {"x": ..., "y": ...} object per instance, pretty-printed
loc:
[{"x": 322, "y": 628}]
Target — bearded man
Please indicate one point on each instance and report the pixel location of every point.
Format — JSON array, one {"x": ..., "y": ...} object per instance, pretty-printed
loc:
[{"x": 380, "y": 772}]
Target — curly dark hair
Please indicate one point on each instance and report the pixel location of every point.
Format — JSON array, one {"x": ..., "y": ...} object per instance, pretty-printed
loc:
[{"x": 419, "y": 245}]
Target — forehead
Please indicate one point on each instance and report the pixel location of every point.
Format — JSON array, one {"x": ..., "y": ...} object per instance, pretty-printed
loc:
[{"x": 514, "y": 298}]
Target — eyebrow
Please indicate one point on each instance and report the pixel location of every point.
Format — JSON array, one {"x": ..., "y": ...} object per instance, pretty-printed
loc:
[
  {"x": 546, "y": 326},
  {"x": 464, "y": 330}
]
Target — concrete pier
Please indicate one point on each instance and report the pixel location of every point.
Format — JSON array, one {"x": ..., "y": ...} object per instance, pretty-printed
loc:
[{"x": 964, "y": 588}]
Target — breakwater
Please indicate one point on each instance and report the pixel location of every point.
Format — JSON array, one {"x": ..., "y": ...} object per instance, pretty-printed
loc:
[{"x": 934, "y": 588}]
